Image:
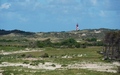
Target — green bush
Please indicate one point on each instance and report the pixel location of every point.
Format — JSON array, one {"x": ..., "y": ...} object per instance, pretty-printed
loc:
[
  {"x": 23, "y": 55},
  {"x": 83, "y": 46},
  {"x": 64, "y": 65},
  {"x": 45, "y": 55},
  {"x": 25, "y": 62},
  {"x": 118, "y": 69},
  {"x": 53, "y": 65},
  {"x": 77, "y": 45}
]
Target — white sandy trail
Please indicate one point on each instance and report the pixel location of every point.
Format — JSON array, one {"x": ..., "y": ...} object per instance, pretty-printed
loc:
[
  {"x": 21, "y": 51},
  {"x": 47, "y": 65},
  {"x": 103, "y": 67}
]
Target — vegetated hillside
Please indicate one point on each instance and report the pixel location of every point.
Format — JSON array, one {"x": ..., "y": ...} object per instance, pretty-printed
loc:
[
  {"x": 5, "y": 32},
  {"x": 78, "y": 35},
  {"x": 29, "y": 39},
  {"x": 15, "y": 37},
  {"x": 56, "y": 36}
]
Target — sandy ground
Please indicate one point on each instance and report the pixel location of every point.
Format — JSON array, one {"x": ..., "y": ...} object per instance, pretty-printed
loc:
[
  {"x": 47, "y": 65},
  {"x": 97, "y": 66},
  {"x": 21, "y": 51},
  {"x": 1, "y": 72},
  {"x": 104, "y": 67}
]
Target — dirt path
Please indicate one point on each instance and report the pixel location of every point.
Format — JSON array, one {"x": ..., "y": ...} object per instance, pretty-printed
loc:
[
  {"x": 1, "y": 72},
  {"x": 97, "y": 66},
  {"x": 21, "y": 51},
  {"x": 47, "y": 65},
  {"x": 104, "y": 67}
]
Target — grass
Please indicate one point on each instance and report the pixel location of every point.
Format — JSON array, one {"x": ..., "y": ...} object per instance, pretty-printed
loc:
[
  {"x": 25, "y": 71},
  {"x": 9, "y": 49},
  {"x": 55, "y": 55}
]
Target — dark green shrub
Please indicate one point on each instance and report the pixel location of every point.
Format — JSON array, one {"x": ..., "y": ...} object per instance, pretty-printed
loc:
[
  {"x": 23, "y": 55},
  {"x": 45, "y": 55},
  {"x": 118, "y": 69},
  {"x": 25, "y": 62},
  {"x": 64, "y": 65},
  {"x": 83, "y": 46},
  {"x": 53, "y": 65},
  {"x": 77, "y": 45}
]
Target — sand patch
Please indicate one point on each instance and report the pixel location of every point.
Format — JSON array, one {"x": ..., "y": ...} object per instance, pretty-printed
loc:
[
  {"x": 104, "y": 67},
  {"x": 96, "y": 66},
  {"x": 21, "y": 51}
]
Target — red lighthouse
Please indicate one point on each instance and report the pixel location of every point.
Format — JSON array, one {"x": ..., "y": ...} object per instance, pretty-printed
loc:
[{"x": 77, "y": 27}]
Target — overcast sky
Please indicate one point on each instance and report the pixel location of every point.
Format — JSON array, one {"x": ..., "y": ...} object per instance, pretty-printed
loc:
[{"x": 59, "y": 15}]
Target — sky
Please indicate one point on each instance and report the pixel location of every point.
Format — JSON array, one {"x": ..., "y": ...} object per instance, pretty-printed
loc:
[{"x": 59, "y": 15}]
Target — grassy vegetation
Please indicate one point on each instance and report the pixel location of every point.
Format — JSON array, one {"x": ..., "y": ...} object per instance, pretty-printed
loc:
[
  {"x": 68, "y": 48},
  {"x": 10, "y": 48},
  {"x": 25, "y": 71},
  {"x": 55, "y": 55}
]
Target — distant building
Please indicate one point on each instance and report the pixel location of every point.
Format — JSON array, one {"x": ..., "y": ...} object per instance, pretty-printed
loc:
[
  {"x": 83, "y": 34},
  {"x": 97, "y": 31},
  {"x": 77, "y": 27}
]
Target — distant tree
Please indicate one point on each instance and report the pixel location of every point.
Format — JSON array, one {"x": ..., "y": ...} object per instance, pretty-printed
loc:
[
  {"x": 40, "y": 44},
  {"x": 91, "y": 39},
  {"x": 47, "y": 42},
  {"x": 112, "y": 45},
  {"x": 44, "y": 43},
  {"x": 99, "y": 43},
  {"x": 69, "y": 42},
  {"x": 84, "y": 45},
  {"x": 77, "y": 45},
  {"x": 45, "y": 55}
]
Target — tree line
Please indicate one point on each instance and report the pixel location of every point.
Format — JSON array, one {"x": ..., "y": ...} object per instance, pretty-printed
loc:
[
  {"x": 5, "y": 32},
  {"x": 69, "y": 43},
  {"x": 112, "y": 45}
]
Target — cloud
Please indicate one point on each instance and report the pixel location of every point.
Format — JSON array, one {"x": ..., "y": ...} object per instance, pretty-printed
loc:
[
  {"x": 94, "y": 2},
  {"x": 21, "y": 0},
  {"x": 5, "y": 6},
  {"x": 61, "y": 12},
  {"x": 110, "y": 5},
  {"x": 63, "y": 2},
  {"x": 23, "y": 19},
  {"x": 102, "y": 13},
  {"x": 61, "y": 7}
]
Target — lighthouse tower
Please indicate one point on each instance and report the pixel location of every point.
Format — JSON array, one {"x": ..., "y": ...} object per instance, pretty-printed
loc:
[{"x": 77, "y": 27}]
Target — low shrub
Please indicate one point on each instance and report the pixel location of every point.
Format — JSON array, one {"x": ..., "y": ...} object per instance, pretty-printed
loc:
[
  {"x": 25, "y": 62},
  {"x": 45, "y": 55},
  {"x": 64, "y": 65},
  {"x": 118, "y": 69},
  {"x": 53, "y": 65}
]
